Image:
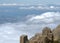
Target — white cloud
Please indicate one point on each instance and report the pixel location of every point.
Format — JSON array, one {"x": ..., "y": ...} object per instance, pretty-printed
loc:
[
  {"x": 52, "y": 6},
  {"x": 47, "y": 17},
  {"x": 38, "y": 7},
  {"x": 10, "y": 32},
  {"x": 30, "y": 7},
  {"x": 12, "y": 4},
  {"x": 8, "y": 4}
]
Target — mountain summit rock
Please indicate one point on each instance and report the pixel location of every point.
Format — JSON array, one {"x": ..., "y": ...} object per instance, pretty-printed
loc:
[{"x": 45, "y": 37}]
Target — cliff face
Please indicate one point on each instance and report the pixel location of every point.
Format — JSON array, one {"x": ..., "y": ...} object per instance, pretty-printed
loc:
[
  {"x": 23, "y": 39},
  {"x": 45, "y": 37},
  {"x": 56, "y": 33}
]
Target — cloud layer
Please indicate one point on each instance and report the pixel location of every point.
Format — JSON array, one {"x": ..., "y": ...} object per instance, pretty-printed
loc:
[
  {"x": 40, "y": 7},
  {"x": 28, "y": 6},
  {"x": 10, "y": 32},
  {"x": 48, "y": 17},
  {"x": 12, "y": 4}
]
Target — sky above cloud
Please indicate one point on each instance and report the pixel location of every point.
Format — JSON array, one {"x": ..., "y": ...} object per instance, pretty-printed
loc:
[{"x": 31, "y": 1}]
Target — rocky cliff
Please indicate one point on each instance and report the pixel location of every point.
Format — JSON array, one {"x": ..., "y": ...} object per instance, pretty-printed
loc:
[{"x": 47, "y": 36}]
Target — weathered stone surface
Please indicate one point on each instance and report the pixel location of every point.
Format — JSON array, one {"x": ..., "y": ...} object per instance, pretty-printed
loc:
[
  {"x": 46, "y": 31},
  {"x": 56, "y": 33},
  {"x": 23, "y": 39},
  {"x": 45, "y": 37}
]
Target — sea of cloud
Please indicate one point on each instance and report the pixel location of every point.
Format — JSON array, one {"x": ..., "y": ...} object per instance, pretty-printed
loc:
[
  {"x": 28, "y": 6},
  {"x": 40, "y": 7},
  {"x": 11, "y": 32}
]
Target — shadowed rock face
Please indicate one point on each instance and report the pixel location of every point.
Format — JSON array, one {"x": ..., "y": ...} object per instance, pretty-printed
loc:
[
  {"x": 56, "y": 33},
  {"x": 45, "y": 37},
  {"x": 23, "y": 39},
  {"x": 46, "y": 31}
]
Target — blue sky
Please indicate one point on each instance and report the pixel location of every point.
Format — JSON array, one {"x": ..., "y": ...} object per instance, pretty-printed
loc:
[{"x": 31, "y": 1}]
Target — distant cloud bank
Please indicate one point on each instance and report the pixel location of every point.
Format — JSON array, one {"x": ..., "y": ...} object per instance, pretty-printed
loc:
[
  {"x": 28, "y": 6},
  {"x": 11, "y": 4},
  {"x": 48, "y": 17},
  {"x": 40, "y": 7}
]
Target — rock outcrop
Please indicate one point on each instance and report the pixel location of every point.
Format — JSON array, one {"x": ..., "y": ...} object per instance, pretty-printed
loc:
[
  {"x": 45, "y": 37},
  {"x": 56, "y": 33},
  {"x": 23, "y": 39}
]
